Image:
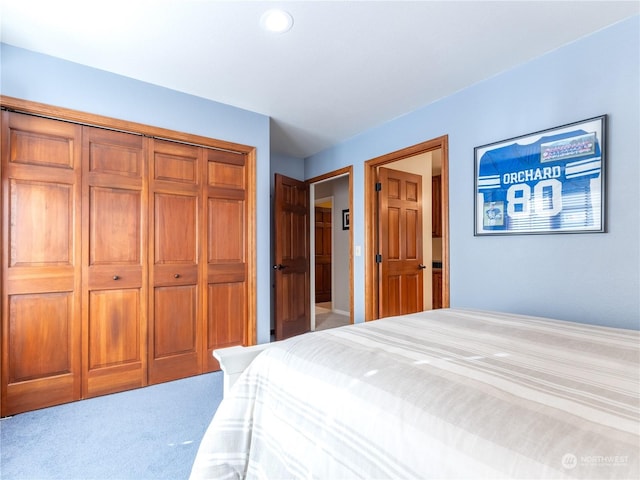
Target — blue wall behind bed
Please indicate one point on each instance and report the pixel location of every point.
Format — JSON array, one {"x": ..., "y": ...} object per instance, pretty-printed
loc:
[{"x": 591, "y": 278}]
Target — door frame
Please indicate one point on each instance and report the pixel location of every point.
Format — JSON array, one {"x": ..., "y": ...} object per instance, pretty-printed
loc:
[
  {"x": 312, "y": 182},
  {"x": 370, "y": 211}
]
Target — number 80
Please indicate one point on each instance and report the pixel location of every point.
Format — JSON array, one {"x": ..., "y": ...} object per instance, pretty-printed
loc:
[{"x": 546, "y": 200}]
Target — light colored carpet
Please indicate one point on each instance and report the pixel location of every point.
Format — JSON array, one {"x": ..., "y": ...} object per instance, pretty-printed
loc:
[{"x": 326, "y": 318}]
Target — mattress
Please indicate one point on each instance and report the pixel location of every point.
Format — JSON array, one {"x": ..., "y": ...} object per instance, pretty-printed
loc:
[{"x": 450, "y": 393}]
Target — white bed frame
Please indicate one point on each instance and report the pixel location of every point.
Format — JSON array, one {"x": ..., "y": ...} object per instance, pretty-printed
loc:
[{"x": 234, "y": 360}]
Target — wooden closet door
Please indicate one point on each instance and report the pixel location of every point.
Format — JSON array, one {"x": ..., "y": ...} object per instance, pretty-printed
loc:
[
  {"x": 175, "y": 306},
  {"x": 114, "y": 261},
  {"x": 41, "y": 262},
  {"x": 226, "y": 300}
]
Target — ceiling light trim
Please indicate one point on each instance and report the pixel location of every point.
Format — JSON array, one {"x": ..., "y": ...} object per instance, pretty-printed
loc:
[{"x": 276, "y": 21}]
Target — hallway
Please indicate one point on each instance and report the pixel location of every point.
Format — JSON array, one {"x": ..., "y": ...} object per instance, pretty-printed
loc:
[{"x": 326, "y": 318}]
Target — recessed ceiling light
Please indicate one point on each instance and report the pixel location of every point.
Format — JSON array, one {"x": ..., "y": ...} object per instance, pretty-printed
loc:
[{"x": 276, "y": 21}]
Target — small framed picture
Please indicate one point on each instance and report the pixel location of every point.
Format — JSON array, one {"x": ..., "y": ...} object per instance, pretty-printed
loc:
[
  {"x": 550, "y": 181},
  {"x": 345, "y": 219}
]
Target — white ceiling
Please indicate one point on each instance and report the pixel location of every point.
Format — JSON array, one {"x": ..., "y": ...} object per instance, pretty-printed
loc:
[{"x": 346, "y": 66}]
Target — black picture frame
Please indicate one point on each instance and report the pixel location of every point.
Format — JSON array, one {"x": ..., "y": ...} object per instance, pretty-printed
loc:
[
  {"x": 550, "y": 181},
  {"x": 345, "y": 219}
]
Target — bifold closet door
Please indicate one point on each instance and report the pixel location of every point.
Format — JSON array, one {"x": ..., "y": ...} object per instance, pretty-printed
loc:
[
  {"x": 124, "y": 259},
  {"x": 175, "y": 306},
  {"x": 114, "y": 254},
  {"x": 226, "y": 299},
  {"x": 41, "y": 264}
]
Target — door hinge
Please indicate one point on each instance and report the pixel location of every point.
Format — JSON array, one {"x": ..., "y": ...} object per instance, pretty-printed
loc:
[
  {"x": 378, "y": 187},
  {"x": 378, "y": 258}
]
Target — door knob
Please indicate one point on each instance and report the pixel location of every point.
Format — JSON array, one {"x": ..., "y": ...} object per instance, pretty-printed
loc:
[
  {"x": 116, "y": 277},
  {"x": 421, "y": 267},
  {"x": 177, "y": 275},
  {"x": 279, "y": 267}
]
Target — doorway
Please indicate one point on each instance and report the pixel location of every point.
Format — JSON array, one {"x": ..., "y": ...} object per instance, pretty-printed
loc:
[
  {"x": 330, "y": 250},
  {"x": 430, "y": 160},
  {"x": 294, "y": 219}
]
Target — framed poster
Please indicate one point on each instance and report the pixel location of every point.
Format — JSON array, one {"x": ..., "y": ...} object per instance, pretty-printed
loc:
[
  {"x": 345, "y": 219},
  {"x": 550, "y": 181}
]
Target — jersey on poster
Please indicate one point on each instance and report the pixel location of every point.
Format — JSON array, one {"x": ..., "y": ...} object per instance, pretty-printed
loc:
[{"x": 550, "y": 184}]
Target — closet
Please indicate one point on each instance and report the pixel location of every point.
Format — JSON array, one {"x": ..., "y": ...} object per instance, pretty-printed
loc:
[{"x": 126, "y": 256}]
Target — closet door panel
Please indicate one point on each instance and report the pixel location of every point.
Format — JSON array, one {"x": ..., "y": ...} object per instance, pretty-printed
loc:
[
  {"x": 175, "y": 342},
  {"x": 115, "y": 225},
  {"x": 114, "y": 262},
  {"x": 40, "y": 216},
  {"x": 175, "y": 345},
  {"x": 114, "y": 340},
  {"x": 40, "y": 361},
  {"x": 176, "y": 164},
  {"x": 226, "y": 231},
  {"x": 114, "y": 327},
  {"x": 39, "y": 328},
  {"x": 226, "y": 252},
  {"x": 173, "y": 337},
  {"x": 175, "y": 229},
  {"x": 42, "y": 142},
  {"x": 41, "y": 262},
  {"x": 227, "y": 307}
]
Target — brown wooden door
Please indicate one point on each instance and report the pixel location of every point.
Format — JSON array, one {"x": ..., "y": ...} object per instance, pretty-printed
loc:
[
  {"x": 436, "y": 206},
  {"x": 400, "y": 242},
  {"x": 41, "y": 264},
  {"x": 323, "y": 235},
  {"x": 291, "y": 269},
  {"x": 175, "y": 306},
  {"x": 226, "y": 300},
  {"x": 436, "y": 288},
  {"x": 114, "y": 259}
]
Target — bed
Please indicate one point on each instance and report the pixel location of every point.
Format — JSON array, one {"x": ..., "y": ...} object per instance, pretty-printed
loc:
[{"x": 451, "y": 393}]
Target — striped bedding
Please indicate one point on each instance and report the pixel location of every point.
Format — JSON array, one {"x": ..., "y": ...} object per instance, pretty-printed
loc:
[{"x": 441, "y": 394}]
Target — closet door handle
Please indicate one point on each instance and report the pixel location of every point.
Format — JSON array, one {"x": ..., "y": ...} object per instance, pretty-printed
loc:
[
  {"x": 177, "y": 275},
  {"x": 116, "y": 277}
]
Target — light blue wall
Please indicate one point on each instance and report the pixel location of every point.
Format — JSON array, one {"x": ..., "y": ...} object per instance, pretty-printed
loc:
[
  {"x": 292, "y": 167},
  {"x": 591, "y": 278},
  {"x": 31, "y": 76}
]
